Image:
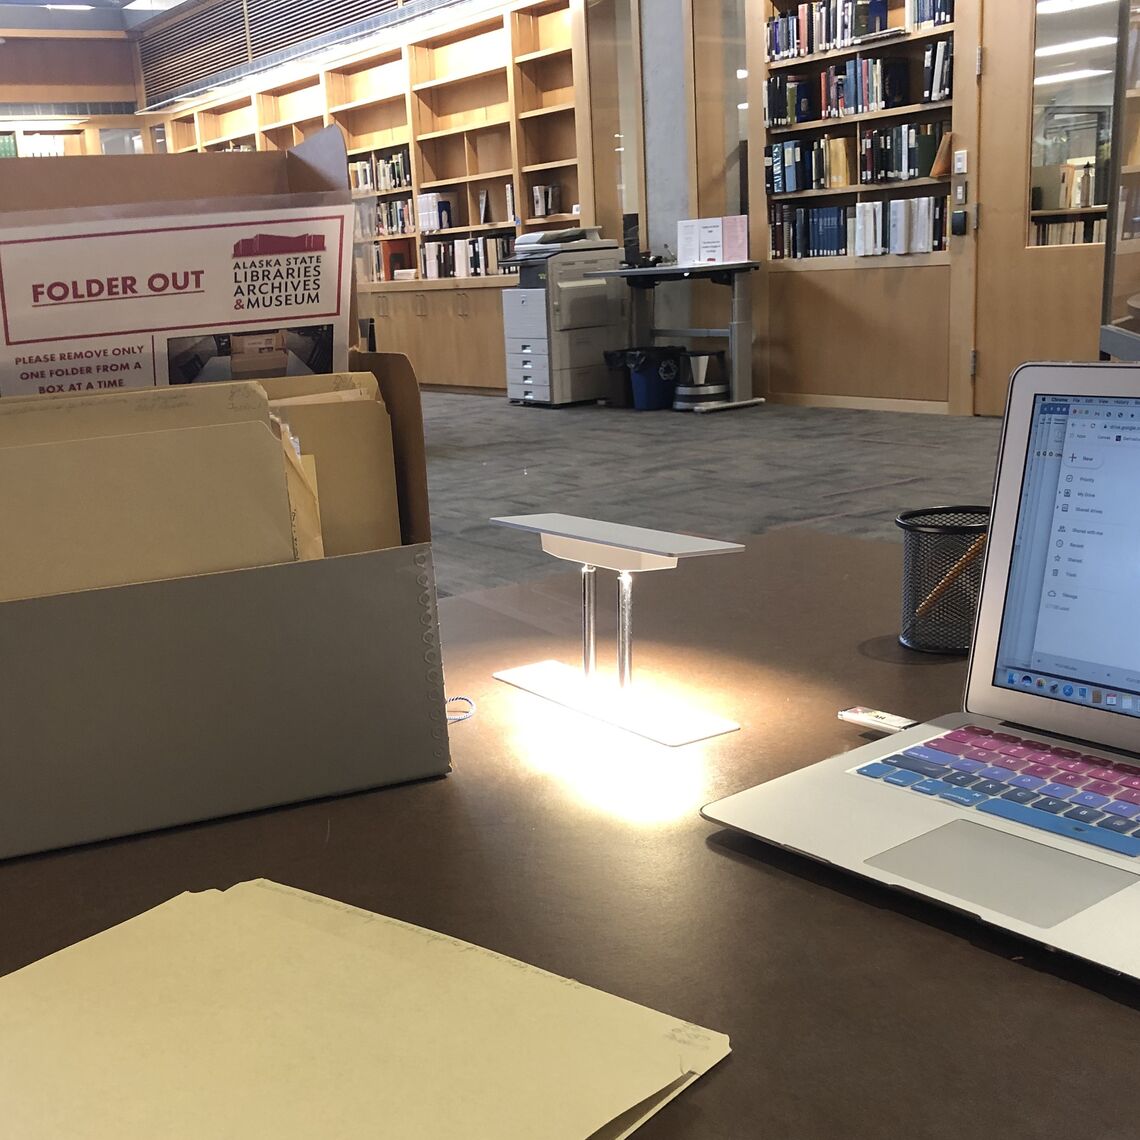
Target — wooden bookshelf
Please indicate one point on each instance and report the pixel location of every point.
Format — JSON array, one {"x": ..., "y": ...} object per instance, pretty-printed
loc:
[
  {"x": 872, "y": 307},
  {"x": 496, "y": 100}
]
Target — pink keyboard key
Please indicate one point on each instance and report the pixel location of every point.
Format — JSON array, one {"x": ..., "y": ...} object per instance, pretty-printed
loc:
[
  {"x": 1068, "y": 753},
  {"x": 992, "y": 744},
  {"x": 950, "y": 747},
  {"x": 960, "y": 736},
  {"x": 977, "y": 730},
  {"x": 1039, "y": 757},
  {"x": 1101, "y": 788},
  {"x": 1128, "y": 795},
  {"x": 1043, "y": 770},
  {"x": 1038, "y": 745},
  {"x": 1129, "y": 782},
  {"x": 1107, "y": 774},
  {"x": 1074, "y": 766},
  {"x": 979, "y": 754},
  {"x": 1016, "y": 751},
  {"x": 1015, "y": 763},
  {"x": 1070, "y": 779},
  {"x": 1131, "y": 769},
  {"x": 1007, "y": 738}
]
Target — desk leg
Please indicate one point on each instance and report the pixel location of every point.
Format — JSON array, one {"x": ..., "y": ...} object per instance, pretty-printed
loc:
[
  {"x": 589, "y": 623},
  {"x": 641, "y": 314},
  {"x": 740, "y": 338},
  {"x": 625, "y": 629}
]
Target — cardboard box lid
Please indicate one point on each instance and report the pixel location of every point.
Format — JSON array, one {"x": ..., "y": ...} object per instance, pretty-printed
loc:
[{"x": 123, "y": 183}]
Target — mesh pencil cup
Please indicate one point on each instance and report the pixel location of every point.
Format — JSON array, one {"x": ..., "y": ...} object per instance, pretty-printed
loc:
[{"x": 943, "y": 552}]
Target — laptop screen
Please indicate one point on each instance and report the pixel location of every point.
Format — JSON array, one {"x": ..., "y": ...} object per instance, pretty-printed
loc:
[{"x": 1070, "y": 628}]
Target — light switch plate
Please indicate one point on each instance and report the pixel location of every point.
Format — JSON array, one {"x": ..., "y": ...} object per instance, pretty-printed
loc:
[
  {"x": 960, "y": 162},
  {"x": 960, "y": 193}
]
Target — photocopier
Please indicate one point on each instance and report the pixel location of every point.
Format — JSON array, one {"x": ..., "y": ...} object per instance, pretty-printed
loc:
[{"x": 557, "y": 322}]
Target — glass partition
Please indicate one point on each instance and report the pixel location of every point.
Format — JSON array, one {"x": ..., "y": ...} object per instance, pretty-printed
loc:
[{"x": 1073, "y": 82}]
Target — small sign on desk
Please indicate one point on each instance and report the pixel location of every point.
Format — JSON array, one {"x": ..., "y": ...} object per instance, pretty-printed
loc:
[{"x": 712, "y": 241}]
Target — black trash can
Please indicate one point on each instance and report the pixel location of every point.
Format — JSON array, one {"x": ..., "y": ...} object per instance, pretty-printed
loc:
[
  {"x": 943, "y": 553},
  {"x": 621, "y": 389}
]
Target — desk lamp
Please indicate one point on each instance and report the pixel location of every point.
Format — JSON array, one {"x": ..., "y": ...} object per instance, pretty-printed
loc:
[{"x": 627, "y": 550}]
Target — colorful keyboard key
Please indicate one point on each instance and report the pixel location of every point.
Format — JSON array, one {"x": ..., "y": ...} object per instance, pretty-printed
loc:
[
  {"x": 962, "y": 764},
  {"x": 996, "y": 773},
  {"x": 1049, "y": 804},
  {"x": 1117, "y": 823},
  {"x": 875, "y": 771},
  {"x": 917, "y": 764},
  {"x": 967, "y": 797},
  {"x": 1057, "y": 791},
  {"x": 1020, "y": 795},
  {"x": 1084, "y": 814},
  {"x": 903, "y": 779},
  {"x": 964, "y": 780},
  {"x": 929, "y": 787},
  {"x": 991, "y": 787},
  {"x": 1120, "y": 808},
  {"x": 1029, "y": 783},
  {"x": 1088, "y": 799}
]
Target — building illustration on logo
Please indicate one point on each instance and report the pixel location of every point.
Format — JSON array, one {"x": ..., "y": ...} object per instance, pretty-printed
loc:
[{"x": 273, "y": 245}]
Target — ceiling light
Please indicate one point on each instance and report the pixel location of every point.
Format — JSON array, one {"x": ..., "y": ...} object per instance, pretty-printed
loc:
[
  {"x": 1076, "y": 45},
  {"x": 1069, "y": 76},
  {"x": 742, "y": 73},
  {"x": 1057, "y": 7},
  {"x": 742, "y": 106},
  {"x": 69, "y": 7}
]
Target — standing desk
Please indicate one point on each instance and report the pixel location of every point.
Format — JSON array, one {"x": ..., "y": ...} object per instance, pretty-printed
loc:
[
  {"x": 854, "y": 1012},
  {"x": 737, "y": 276}
]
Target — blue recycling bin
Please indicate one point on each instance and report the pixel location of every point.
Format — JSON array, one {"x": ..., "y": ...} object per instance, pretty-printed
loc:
[{"x": 654, "y": 373}]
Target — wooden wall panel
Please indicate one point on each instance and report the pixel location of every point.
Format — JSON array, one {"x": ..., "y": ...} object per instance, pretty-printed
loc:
[
  {"x": 873, "y": 333},
  {"x": 67, "y": 71}
]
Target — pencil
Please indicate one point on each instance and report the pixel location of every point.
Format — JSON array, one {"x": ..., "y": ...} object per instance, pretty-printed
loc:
[{"x": 951, "y": 576}]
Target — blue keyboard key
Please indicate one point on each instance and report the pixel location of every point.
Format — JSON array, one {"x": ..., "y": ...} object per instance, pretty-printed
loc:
[
  {"x": 918, "y": 764},
  {"x": 1084, "y": 814},
  {"x": 1116, "y": 823},
  {"x": 904, "y": 779},
  {"x": 961, "y": 764},
  {"x": 959, "y": 779},
  {"x": 1020, "y": 795},
  {"x": 930, "y": 755},
  {"x": 1057, "y": 791},
  {"x": 1002, "y": 774},
  {"x": 1030, "y": 783},
  {"x": 930, "y": 787},
  {"x": 1051, "y": 804},
  {"x": 1089, "y": 799},
  {"x": 964, "y": 796},
  {"x": 991, "y": 787},
  {"x": 1119, "y": 807},
  {"x": 876, "y": 770},
  {"x": 1059, "y": 825}
]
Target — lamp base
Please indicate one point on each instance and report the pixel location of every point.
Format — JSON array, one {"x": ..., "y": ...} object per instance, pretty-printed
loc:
[{"x": 654, "y": 717}]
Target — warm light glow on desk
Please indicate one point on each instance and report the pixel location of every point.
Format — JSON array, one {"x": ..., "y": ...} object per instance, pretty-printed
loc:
[{"x": 621, "y": 775}]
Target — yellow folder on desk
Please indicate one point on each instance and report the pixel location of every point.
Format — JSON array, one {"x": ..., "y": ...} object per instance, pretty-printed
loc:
[
  {"x": 267, "y": 1012},
  {"x": 104, "y": 511}
]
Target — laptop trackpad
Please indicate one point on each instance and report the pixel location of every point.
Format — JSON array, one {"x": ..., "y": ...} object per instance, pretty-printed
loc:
[{"x": 1013, "y": 876}]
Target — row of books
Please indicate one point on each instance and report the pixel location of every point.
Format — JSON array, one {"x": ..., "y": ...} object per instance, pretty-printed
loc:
[
  {"x": 1084, "y": 231},
  {"x": 883, "y": 154},
  {"x": 866, "y": 229},
  {"x": 1065, "y": 185},
  {"x": 379, "y": 262},
  {"x": 829, "y": 24},
  {"x": 858, "y": 86},
  {"x": 382, "y": 219},
  {"x": 466, "y": 257},
  {"x": 380, "y": 172},
  {"x": 8, "y": 146},
  {"x": 546, "y": 200}
]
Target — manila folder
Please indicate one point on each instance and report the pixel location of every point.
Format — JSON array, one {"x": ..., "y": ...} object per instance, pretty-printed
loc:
[
  {"x": 264, "y": 1011},
  {"x": 98, "y": 512}
]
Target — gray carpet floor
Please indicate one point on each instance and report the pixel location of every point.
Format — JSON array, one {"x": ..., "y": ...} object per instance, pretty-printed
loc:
[{"x": 726, "y": 475}]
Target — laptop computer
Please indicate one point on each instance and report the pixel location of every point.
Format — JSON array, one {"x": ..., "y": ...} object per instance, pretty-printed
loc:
[{"x": 1024, "y": 808}]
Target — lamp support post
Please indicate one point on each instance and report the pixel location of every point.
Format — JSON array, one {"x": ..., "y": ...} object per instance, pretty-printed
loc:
[
  {"x": 589, "y": 619},
  {"x": 625, "y": 629}
]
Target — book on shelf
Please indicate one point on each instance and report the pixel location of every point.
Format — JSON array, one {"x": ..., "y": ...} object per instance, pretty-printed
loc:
[
  {"x": 465, "y": 257},
  {"x": 546, "y": 200},
  {"x": 484, "y": 206},
  {"x": 900, "y": 226},
  {"x": 380, "y": 173},
  {"x": 1069, "y": 231},
  {"x": 828, "y": 25},
  {"x": 436, "y": 212},
  {"x": 8, "y": 146},
  {"x": 938, "y": 70},
  {"x": 511, "y": 215}
]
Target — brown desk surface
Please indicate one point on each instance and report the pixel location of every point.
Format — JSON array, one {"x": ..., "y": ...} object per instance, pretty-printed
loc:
[{"x": 853, "y": 1013}]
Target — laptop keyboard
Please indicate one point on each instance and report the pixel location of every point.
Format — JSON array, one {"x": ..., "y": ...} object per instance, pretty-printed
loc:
[{"x": 1059, "y": 790}]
